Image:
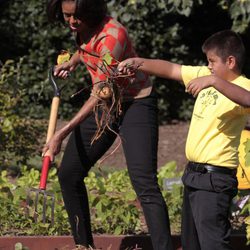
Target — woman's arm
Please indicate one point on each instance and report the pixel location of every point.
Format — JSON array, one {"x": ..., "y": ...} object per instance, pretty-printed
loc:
[
  {"x": 235, "y": 93},
  {"x": 54, "y": 144}
]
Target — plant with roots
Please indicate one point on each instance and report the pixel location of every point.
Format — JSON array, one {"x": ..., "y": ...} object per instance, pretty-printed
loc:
[{"x": 109, "y": 93}]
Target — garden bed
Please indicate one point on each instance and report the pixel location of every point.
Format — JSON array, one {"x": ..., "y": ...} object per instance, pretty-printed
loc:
[{"x": 105, "y": 242}]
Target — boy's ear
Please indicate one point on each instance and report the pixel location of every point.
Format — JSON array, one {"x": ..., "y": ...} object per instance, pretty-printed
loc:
[{"x": 231, "y": 62}]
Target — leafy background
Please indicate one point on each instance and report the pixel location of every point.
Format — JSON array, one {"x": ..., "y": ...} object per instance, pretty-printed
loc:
[{"x": 172, "y": 30}]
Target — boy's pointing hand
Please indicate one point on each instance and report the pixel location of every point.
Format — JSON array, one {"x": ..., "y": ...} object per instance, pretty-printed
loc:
[{"x": 196, "y": 85}]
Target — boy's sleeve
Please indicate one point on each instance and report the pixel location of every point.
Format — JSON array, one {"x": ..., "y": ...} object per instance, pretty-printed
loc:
[{"x": 191, "y": 72}]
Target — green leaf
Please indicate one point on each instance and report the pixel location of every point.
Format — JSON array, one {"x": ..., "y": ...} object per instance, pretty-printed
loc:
[
  {"x": 107, "y": 58},
  {"x": 118, "y": 230},
  {"x": 130, "y": 196},
  {"x": 18, "y": 246}
]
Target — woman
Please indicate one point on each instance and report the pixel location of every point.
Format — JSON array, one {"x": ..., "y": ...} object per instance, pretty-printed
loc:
[{"x": 99, "y": 35}]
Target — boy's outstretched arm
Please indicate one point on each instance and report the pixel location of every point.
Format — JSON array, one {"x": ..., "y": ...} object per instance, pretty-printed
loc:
[
  {"x": 233, "y": 92},
  {"x": 160, "y": 68}
]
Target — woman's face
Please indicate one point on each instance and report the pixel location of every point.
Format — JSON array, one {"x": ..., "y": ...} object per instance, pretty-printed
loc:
[{"x": 68, "y": 10}]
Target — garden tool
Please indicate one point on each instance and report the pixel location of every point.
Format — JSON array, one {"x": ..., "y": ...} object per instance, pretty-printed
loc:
[{"x": 40, "y": 193}]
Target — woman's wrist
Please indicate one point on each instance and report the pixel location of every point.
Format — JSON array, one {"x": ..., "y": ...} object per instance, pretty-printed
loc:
[{"x": 74, "y": 60}]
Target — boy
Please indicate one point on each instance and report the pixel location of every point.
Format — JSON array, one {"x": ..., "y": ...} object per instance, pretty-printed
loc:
[{"x": 210, "y": 176}]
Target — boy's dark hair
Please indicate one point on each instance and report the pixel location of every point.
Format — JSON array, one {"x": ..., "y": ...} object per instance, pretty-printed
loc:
[
  {"x": 91, "y": 12},
  {"x": 226, "y": 43}
]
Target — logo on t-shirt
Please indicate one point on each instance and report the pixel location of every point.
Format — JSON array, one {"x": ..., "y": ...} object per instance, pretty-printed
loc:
[{"x": 206, "y": 99}]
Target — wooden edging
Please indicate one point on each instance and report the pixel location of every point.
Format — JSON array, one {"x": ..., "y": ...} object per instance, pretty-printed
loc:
[{"x": 105, "y": 242}]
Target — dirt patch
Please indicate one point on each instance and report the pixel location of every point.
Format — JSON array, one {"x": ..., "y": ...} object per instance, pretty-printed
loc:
[
  {"x": 172, "y": 141},
  {"x": 171, "y": 147}
]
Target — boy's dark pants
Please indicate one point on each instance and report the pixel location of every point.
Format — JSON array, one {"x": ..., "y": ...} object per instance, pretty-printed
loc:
[
  {"x": 139, "y": 131},
  {"x": 206, "y": 206}
]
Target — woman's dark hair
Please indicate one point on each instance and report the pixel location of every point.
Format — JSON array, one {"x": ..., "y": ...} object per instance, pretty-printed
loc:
[
  {"x": 226, "y": 43},
  {"x": 91, "y": 12}
]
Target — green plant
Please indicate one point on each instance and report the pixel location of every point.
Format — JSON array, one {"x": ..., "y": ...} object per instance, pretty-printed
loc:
[
  {"x": 14, "y": 126},
  {"x": 173, "y": 196},
  {"x": 14, "y": 219},
  {"x": 246, "y": 210},
  {"x": 239, "y": 11},
  {"x": 247, "y": 221},
  {"x": 108, "y": 207},
  {"x": 113, "y": 200},
  {"x": 240, "y": 211},
  {"x": 114, "y": 206},
  {"x": 19, "y": 246}
]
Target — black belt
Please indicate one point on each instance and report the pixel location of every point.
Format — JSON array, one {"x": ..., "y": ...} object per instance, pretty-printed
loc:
[{"x": 207, "y": 168}]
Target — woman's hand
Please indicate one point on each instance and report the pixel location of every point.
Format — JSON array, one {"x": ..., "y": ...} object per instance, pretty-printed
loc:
[
  {"x": 53, "y": 146},
  {"x": 63, "y": 70},
  {"x": 196, "y": 85}
]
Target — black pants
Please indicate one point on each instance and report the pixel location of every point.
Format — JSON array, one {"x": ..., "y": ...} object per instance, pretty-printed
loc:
[
  {"x": 206, "y": 206},
  {"x": 138, "y": 128}
]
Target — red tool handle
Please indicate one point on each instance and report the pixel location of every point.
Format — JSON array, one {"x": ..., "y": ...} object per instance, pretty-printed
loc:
[
  {"x": 44, "y": 174},
  {"x": 51, "y": 131}
]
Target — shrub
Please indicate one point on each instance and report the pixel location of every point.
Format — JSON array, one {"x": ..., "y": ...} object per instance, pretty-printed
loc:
[{"x": 19, "y": 135}]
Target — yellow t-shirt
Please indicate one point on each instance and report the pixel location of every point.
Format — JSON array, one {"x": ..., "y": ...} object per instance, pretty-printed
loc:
[
  {"x": 243, "y": 171},
  {"x": 216, "y": 124}
]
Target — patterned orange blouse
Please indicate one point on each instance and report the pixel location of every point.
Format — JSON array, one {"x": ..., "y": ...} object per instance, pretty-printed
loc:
[{"x": 112, "y": 38}]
